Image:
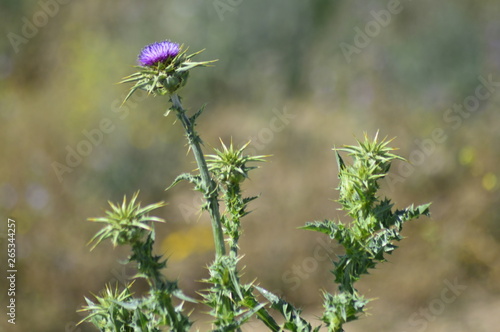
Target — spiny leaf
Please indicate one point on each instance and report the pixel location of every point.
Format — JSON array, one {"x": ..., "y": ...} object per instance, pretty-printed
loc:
[{"x": 196, "y": 180}]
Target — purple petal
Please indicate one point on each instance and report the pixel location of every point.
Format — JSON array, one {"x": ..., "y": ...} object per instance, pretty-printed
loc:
[{"x": 158, "y": 52}]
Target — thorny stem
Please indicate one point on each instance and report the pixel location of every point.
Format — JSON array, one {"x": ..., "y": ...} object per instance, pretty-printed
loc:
[{"x": 210, "y": 190}]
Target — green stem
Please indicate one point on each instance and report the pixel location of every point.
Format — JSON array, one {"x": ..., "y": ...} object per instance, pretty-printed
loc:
[
  {"x": 233, "y": 202},
  {"x": 210, "y": 189}
]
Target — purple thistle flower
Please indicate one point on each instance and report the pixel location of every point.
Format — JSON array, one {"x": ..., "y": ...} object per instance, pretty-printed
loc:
[{"x": 158, "y": 52}]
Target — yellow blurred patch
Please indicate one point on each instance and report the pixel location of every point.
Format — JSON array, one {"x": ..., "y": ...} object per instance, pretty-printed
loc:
[
  {"x": 467, "y": 155},
  {"x": 490, "y": 181},
  {"x": 181, "y": 244}
]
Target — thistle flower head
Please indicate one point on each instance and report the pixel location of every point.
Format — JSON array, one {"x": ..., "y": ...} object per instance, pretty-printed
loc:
[
  {"x": 158, "y": 52},
  {"x": 163, "y": 69}
]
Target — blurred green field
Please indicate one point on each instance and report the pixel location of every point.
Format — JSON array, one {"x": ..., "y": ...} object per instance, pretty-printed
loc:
[{"x": 295, "y": 77}]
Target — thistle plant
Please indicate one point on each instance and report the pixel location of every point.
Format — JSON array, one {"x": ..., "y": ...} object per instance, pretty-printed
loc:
[
  {"x": 163, "y": 70},
  {"x": 371, "y": 234},
  {"x": 130, "y": 224}
]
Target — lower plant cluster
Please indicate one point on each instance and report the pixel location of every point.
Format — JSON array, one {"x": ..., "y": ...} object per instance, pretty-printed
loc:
[{"x": 366, "y": 240}]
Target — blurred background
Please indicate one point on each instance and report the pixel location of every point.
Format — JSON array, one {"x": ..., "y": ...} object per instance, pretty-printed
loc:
[{"x": 295, "y": 77}]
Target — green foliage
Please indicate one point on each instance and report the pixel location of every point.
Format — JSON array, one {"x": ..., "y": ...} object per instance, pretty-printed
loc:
[
  {"x": 232, "y": 303},
  {"x": 126, "y": 222},
  {"x": 293, "y": 321},
  {"x": 119, "y": 311},
  {"x": 371, "y": 235},
  {"x": 108, "y": 314},
  {"x": 230, "y": 168},
  {"x": 129, "y": 224},
  {"x": 341, "y": 308}
]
